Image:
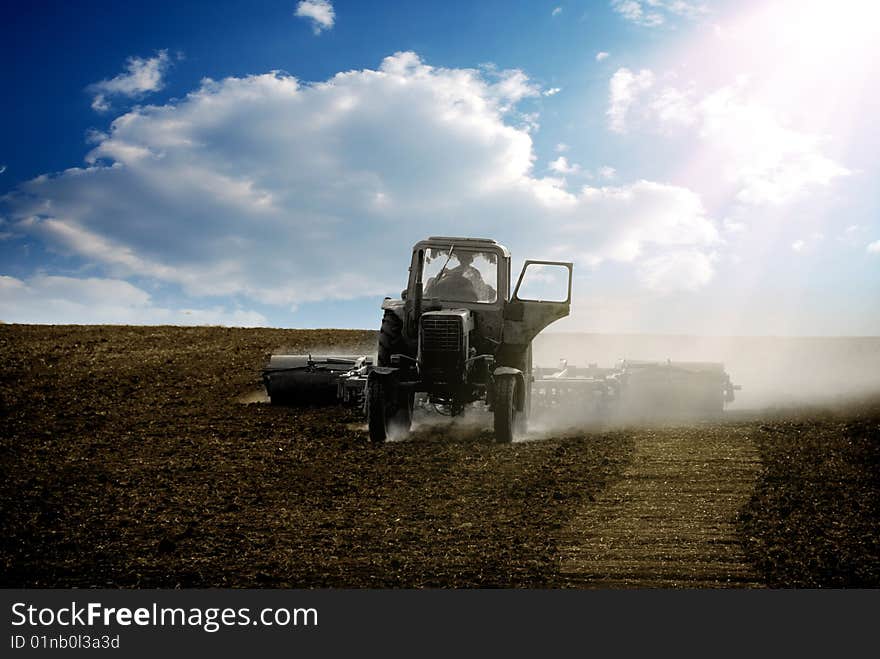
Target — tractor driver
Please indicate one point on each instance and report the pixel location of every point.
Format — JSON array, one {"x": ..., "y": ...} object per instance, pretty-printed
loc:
[{"x": 463, "y": 282}]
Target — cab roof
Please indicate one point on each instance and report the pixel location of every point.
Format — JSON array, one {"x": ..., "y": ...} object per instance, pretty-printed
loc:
[{"x": 461, "y": 241}]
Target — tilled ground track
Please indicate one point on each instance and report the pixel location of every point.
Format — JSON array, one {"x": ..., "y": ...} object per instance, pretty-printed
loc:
[
  {"x": 127, "y": 460},
  {"x": 670, "y": 520}
]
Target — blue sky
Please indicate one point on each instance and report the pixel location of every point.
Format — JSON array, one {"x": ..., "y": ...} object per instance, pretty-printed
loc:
[{"x": 710, "y": 167}]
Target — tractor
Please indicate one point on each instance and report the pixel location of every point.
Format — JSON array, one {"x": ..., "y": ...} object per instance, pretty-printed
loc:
[{"x": 460, "y": 334}]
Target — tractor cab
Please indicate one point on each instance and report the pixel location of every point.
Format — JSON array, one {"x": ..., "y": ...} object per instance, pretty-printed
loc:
[{"x": 449, "y": 273}]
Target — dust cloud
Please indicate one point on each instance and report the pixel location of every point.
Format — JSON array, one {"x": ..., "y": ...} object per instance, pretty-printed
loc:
[{"x": 772, "y": 371}]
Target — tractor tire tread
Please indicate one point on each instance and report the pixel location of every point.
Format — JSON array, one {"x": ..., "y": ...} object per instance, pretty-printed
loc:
[
  {"x": 390, "y": 338},
  {"x": 505, "y": 410}
]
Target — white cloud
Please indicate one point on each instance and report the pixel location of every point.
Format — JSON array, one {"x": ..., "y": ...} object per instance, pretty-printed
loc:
[
  {"x": 142, "y": 76},
  {"x": 691, "y": 10},
  {"x": 874, "y": 247},
  {"x": 808, "y": 243},
  {"x": 756, "y": 151},
  {"x": 646, "y": 217},
  {"x": 562, "y": 147},
  {"x": 685, "y": 270},
  {"x": 674, "y": 107},
  {"x": 653, "y": 13},
  {"x": 624, "y": 90},
  {"x": 271, "y": 191},
  {"x": 552, "y": 91},
  {"x": 510, "y": 87},
  {"x": 68, "y": 300},
  {"x": 601, "y": 55},
  {"x": 733, "y": 226},
  {"x": 556, "y": 11},
  {"x": 2, "y": 169},
  {"x": 100, "y": 103},
  {"x": 633, "y": 11},
  {"x": 319, "y": 12},
  {"x": 770, "y": 162},
  {"x": 606, "y": 172},
  {"x": 562, "y": 166}
]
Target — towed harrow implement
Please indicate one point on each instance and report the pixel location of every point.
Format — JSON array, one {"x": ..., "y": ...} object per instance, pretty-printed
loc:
[{"x": 630, "y": 389}]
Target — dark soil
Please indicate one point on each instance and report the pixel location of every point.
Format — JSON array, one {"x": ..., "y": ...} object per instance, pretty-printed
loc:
[
  {"x": 814, "y": 519},
  {"x": 128, "y": 460}
]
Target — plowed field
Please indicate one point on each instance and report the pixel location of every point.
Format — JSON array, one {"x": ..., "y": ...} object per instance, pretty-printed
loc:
[{"x": 130, "y": 459}]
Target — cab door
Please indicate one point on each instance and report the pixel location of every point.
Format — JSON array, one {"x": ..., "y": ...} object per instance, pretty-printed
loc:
[{"x": 542, "y": 295}]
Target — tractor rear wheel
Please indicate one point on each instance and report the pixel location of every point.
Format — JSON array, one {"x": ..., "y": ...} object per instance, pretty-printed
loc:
[
  {"x": 391, "y": 341},
  {"x": 506, "y": 414}
]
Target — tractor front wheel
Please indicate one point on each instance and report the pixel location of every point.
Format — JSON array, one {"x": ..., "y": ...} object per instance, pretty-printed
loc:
[
  {"x": 376, "y": 412},
  {"x": 506, "y": 415},
  {"x": 522, "y": 416},
  {"x": 388, "y": 415},
  {"x": 401, "y": 421}
]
